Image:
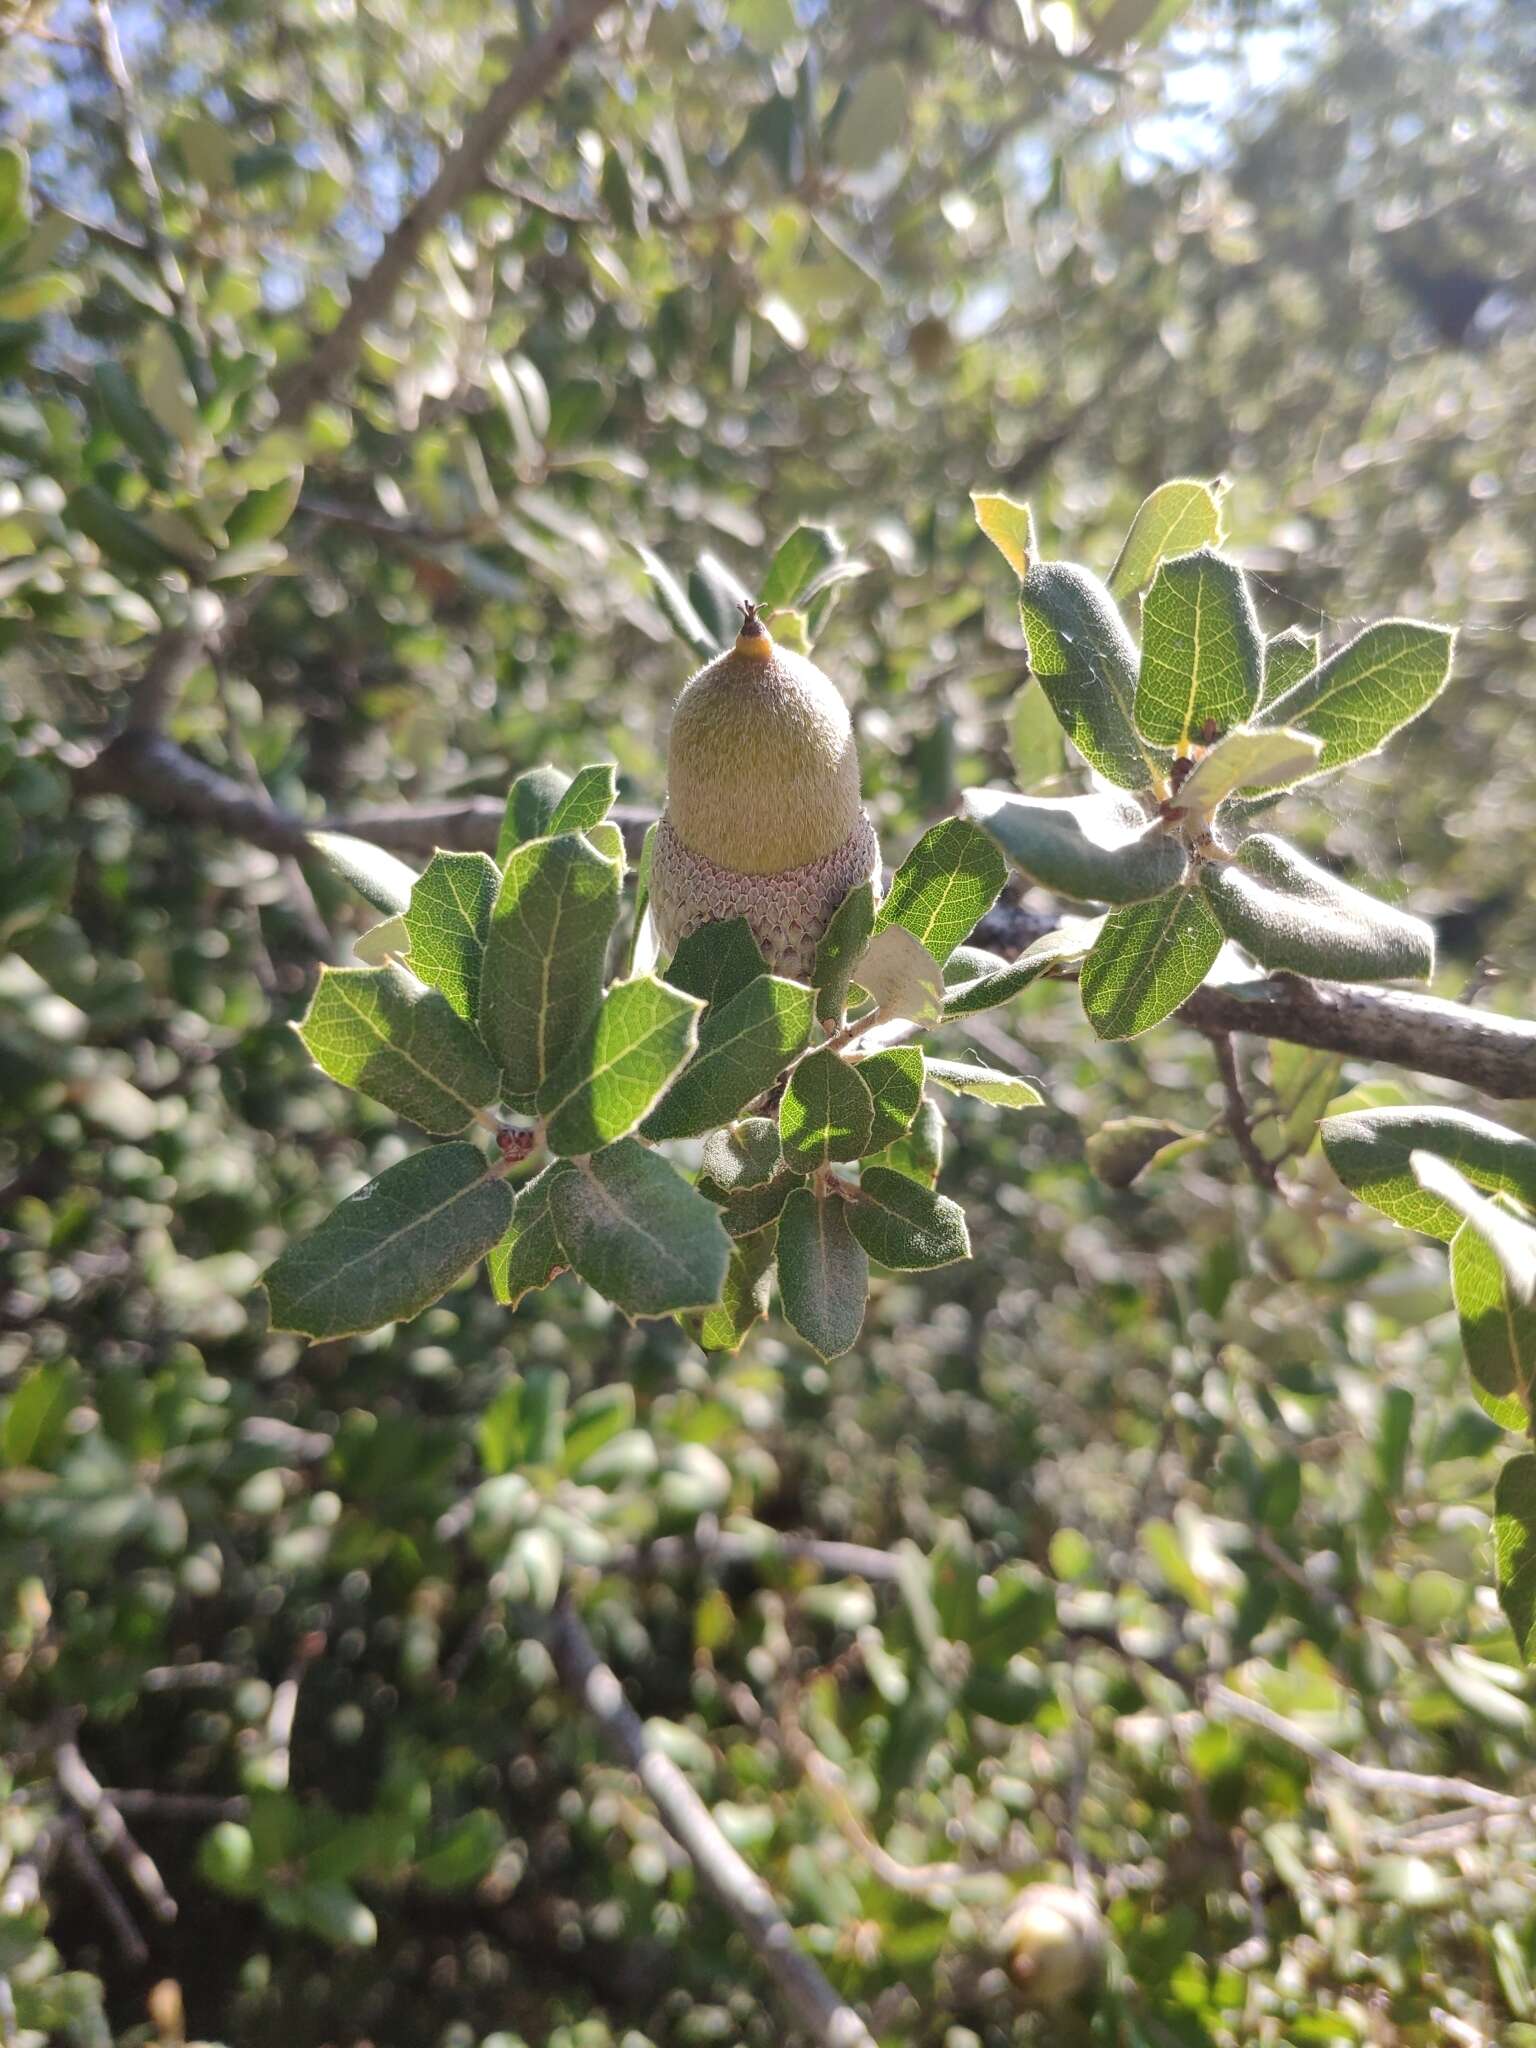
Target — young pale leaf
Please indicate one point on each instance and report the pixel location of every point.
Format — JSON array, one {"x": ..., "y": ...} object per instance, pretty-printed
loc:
[
  {"x": 1498, "y": 1329},
  {"x": 641, "y": 952},
  {"x": 588, "y": 800},
  {"x": 988, "y": 1084},
  {"x": 902, "y": 976},
  {"x": 919, "y": 1152},
  {"x": 717, "y": 961},
  {"x": 637, "y": 1042},
  {"x": 841, "y": 944},
  {"x": 1509, "y": 1237},
  {"x": 382, "y": 1031},
  {"x": 675, "y": 607},
  {"x": 393, "y": 1248},
  {"x": 805, "y": 556},
  {"x": 1253, "y": 761},
  {"x": 1178, "y": 518},
  {"x": 1287, "y": 658},
  {"x": 635, "y": 1230},
  {"x": 744, "y": 1297},
  {"x": 826, "y": 1114},
  {"x": 543, "y": 969},
  {"x": 1362, "y": 694},
  {"x": 1147, "y": 958},
  {"x": 1101, "y": 848},
  {"x": 948, "y": 881},
  {"x": 1086, "y": 664},
  {"x": 529, "y": 1255},
  {"x": 904, "y": 1225},
  {"x": 447, "y": 924},
  {"x": 609, "y": 841},
  {"x": 1371, "y": 1152},
  {"x": 1009, "y": 526},
  {"x": 744, "y": 1046},
  {"x": 823, "y": 1273},
  {"x": 1202, "y": 656},
  {"x": 377, "y": 876},
  {"x": 382, "y": 942},
  {"x": 1034, "y": 738},
  {"x": 894, "y": 1079},
  {"x": 1291, "y": 914},
  {"x": 1514, "y": 1549},
  {"x": 532, "y": 802}
]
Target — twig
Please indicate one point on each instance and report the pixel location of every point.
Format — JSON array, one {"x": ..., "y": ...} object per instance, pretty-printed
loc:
[
  {"x": 189, "y": 1806},
  {"x": 722, "y": 1870},
  {"x": 80, "y": 1850},
  {"x": 1367, "y": 1777},
  {"x": 462, "y": 172},
  {"x": 80, "y": 1786},
  {"x": 186, "y": 1677},
  {"x": 136, "y": 154},
  {"x": 721, "y": 1546},
  {"x": 1238, "y": 1121}
]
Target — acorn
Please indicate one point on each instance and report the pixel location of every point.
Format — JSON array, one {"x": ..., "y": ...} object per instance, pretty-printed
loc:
[
  {"x": 1055, "y": 1943},
  {"x": 764, "y": 817}
]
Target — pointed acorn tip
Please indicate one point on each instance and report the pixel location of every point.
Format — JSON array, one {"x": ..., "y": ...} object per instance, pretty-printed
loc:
[{"x": 754, "y": 638}]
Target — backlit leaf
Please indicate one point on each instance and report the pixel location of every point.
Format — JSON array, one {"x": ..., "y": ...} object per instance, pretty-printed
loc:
[
  {"x": 382, "y": 1031},
  {"x": 1175, "y": 520},
  {"x": 1202, "y": 657},
  {"x": 826, "y": 1114},
  {"x": 447, "y": 924},
  {"x": 543, "y": 969},
  {"x": 1364, "y": 693},
  {"x": 744, "y": 1045},
  {"x": 1371, "y": 1152},
  {"x": 1147, "y": 958},
  {"x": 1086, "y": 663},
  {"x": 948, "y": 881},
  {"x": 637, "y": 1041}
]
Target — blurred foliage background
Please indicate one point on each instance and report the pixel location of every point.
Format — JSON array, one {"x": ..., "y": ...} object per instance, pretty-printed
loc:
[{"x": 735, "y": 266}]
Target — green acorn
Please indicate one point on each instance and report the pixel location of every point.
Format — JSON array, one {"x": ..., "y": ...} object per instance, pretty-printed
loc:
[
  {"x": 1055, "y": 1943},
  {"x": 764, "y": 818}
]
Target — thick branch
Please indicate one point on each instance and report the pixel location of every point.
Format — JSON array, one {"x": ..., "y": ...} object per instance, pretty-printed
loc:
[
  {"x": 725, "y": 1875},
  {"x": 460, "y": 175}
]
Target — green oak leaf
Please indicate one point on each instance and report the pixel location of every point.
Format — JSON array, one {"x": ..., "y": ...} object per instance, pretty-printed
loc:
[
  {"x": 1291, "y": 914},
  {"x": 393, "y": 1248},
  {"x": 587, "y": 801},
  {"x": 676, "y": 607},
  {"x": 382, "y": 1031},
  {"x": 904, "y": 1225},
  {"x": 1355, "y": 700},
  {"x": 1255, "y": 761},
  {"x": 823, "y": 1273},
  {"x": 1514, "y": 1549},
  {"x": 744, "y": 1297},
  {"x": 378, "y": 877},
  {"x": 1371, "y": 1151},
  {"x": 1177, "y": 518},
  {"x": 717, "y": 961},
  {"x": 1202, "y": 656},
  {"x": 382, "y": 942},
  {"x": 918, "y": 1152},
  {"x": 842, "y": 943},
  {"x": 1498, "y": 1329},
  {"x": 895, "y": 1082},
  {"x": 1507, "y": 1235},
  {"x": 1121, "y": 1150},
  {"x": 946, "y": 884},
  {"x": 1086, "y": 663},
  {"x": 1070, "y": 942},
  {"x": 529, "y": 1255},
  {"x": 1147, "y": 958},
  {"x": 531, "y": 805},
  {"x": 826, "y": 1114},
  {"x": 744, "y": 1045},
  {"x": 1287, "y": 658},
  {"x": 987, "y": 1084},
  {"x": 638, "y": 1233},
  {"x": 542, "y": 974},
  {"x": 717, "y": 595},
  {"x": 640, "y": 1037},
  {"x": 1101, "y": 848},
  {"x": 447, "y": 923},
  {"x": 799, "y": 562},
  {"x": 1035, "y": 741}
]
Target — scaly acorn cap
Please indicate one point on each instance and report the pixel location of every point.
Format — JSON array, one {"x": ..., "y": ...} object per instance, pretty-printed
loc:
[
  {"x": 762, "y": 772},
  {"x": 763, "y": 818}
]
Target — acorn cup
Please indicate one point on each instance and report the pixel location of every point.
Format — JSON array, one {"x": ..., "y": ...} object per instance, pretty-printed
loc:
[{"x": 764, "y": 818}]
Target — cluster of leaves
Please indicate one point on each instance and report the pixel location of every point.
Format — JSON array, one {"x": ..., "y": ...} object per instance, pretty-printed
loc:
[
  {"x": 485, "y": 1007},
  {"x": 1188, "y": 736}
]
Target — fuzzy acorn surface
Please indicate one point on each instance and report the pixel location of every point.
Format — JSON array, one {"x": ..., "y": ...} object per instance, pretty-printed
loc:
[{"x": 764, "y": 818}]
